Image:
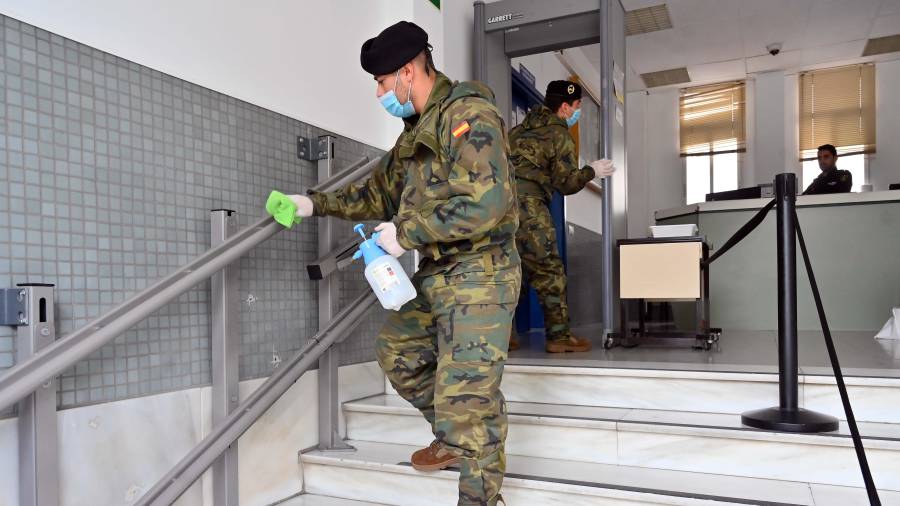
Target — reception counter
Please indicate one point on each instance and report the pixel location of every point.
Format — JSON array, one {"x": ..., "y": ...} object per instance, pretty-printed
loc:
[{"x": 854, "y": 245}]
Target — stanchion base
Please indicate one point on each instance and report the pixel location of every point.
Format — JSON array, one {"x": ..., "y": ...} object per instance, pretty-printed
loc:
[{"x": 801, "y": 420}]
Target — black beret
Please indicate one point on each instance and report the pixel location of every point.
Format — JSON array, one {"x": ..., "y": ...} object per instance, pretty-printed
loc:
[
  {"x": 566, "y": 89},
  {"x": 393, "y": 48}
]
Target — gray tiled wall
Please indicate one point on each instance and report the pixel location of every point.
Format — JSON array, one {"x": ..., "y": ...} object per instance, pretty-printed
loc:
[{"x": 108, "y": 171}]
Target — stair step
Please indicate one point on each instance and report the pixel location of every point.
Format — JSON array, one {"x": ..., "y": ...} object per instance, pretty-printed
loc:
[
  {"x": 874, "y": 399},
  {"x": 679, "y": 441},
  {"x": 321, "y": 500},
  {"x": 380, "y": 472}
]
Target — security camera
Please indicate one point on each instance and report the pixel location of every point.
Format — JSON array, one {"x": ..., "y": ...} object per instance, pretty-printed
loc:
[{"x": 774, "y": 48}]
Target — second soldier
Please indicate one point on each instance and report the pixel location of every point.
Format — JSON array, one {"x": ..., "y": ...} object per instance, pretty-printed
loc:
[{"x": 543, "y": 155}]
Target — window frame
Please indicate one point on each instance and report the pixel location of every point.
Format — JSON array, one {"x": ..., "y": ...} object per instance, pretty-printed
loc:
[{"x": 710, "y": 158}]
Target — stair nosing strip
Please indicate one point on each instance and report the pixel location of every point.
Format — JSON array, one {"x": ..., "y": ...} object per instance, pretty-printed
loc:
[
  {"x": 670, "y": 493},
  {"x": 407, "y": 469},
  {"x": 638, "y": 490},
  {"x": 410, "y": 411},
  {"x": 698, "y": 374},
  {"x": 771, "y": 377}
]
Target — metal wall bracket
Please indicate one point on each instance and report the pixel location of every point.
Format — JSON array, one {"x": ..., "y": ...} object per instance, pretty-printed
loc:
[
  {"x": 337, "y": 259},
  {"x": 13, "y": 307},
  {"x": 312, "y": 150}
]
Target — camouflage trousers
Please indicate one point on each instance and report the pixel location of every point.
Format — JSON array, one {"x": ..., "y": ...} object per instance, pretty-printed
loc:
[
  {"x": 444, "y": 352},
  {"x": 542, "y": 265}
]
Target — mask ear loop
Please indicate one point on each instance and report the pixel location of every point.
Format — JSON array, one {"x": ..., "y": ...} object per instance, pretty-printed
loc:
[
  {"x": 408, "y": 87},
  {"x": 396, "y": 80},
  {"x": 409, "y": 92}
]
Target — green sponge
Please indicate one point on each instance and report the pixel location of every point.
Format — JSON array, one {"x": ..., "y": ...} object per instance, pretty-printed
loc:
[{"x": 283, "y": 209}]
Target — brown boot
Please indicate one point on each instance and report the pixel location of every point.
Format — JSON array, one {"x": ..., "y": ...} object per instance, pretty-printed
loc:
[
  {"x": 571, "y": 343},
  {"x": 433, "y": 458},
  {"x": 513, "y": 342}
]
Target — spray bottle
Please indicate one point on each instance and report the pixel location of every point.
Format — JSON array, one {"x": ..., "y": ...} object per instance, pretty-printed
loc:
[{"x": 384, "y": 273}]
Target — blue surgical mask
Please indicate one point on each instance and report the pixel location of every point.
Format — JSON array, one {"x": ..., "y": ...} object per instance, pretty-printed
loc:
[
  {"x": 393, "y": 106},
  {"x": 571, "y": 120}
]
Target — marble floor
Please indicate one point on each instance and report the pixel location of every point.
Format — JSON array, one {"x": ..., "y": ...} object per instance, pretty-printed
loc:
[{"x": 860, "y": 354}]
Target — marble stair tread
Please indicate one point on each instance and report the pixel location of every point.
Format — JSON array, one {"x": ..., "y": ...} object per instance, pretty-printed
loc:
[
  {"x": 832, "y": 495},
  {"x": 582, "y": 477},
  {"x": 855, "y": 377},
  {"x": 321, "y": 500},
  {"x": 647, "y": 420}
]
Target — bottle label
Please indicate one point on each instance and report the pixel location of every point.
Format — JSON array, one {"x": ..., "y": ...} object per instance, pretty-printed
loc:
[{"x": 385, "y": 277}]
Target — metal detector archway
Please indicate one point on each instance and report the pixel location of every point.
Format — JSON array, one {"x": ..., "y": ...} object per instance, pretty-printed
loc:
[{"x": 511, "y": 28}]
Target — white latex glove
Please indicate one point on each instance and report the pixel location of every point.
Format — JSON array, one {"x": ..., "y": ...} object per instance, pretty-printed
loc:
[
  {"x": 387, "y": 239},
  {"x": 304, "y": 205},
  {"x": 603, "y": 168}
]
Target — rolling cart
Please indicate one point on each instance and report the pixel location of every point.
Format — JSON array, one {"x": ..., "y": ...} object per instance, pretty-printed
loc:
[{"x": 663, "y": 269}]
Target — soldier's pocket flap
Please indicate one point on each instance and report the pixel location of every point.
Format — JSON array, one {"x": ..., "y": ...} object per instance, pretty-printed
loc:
[{"x": 481, "y": 292}]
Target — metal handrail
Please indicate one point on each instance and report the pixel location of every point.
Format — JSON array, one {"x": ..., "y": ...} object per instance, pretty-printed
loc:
[
  {"x": 170, "y": 487},
  {"x": 351, "y": 174},
  {"x": 28, "y": 376},
  {"x": 22, "y": 379},
  {"x": 335, "y": 259}
]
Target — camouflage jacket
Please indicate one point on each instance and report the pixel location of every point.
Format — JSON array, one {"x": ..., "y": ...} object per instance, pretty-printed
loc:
[
  {"x": 542, "y": 153},
  {"x": 446, "y": 184}
]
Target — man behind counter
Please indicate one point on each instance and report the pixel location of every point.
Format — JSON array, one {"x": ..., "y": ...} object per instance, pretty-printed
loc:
[{"x": 831, "y": 180}]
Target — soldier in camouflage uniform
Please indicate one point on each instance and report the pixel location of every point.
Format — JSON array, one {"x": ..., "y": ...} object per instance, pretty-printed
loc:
[
  {"x": 543, "y": 155},
  {"x": 446, "y": 190}
]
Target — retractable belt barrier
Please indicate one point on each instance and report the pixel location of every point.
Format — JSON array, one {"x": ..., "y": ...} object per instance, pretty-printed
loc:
[
  {"x": 838, "y": 376},
  {"x": 792, "y": 420},
  {"x": 742, "y": 232}
]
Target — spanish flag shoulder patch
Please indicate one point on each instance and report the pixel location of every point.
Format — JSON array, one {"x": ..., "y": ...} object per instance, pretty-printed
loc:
[{"x": 461, "y": 129}]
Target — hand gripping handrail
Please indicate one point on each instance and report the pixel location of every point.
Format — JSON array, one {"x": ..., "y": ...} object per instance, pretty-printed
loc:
[
  {"x": 24, "y": 378},
  {"x": 170, "y": 487}
]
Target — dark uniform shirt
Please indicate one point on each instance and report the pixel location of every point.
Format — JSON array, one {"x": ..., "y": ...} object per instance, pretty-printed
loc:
[{"x": 831, "y": 181}]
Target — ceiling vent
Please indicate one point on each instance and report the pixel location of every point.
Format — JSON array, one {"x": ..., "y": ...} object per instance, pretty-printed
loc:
[
  {"x": 647, "y": 19},
  {"x": 666, "y": 77},
  {"x": 882, "y": 45}
]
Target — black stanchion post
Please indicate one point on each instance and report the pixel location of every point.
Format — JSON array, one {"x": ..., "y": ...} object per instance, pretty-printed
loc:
[
  {"x": 787, "y": 416},
  {"x": 787, "y": 291}
]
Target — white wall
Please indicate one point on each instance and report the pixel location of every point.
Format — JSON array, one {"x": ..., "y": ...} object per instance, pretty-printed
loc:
[
  {"x": 773, "y": 139},
  {"x": 112, "y": 453},
  {"x": 769, "y": 140},
  {"x": 545, "y": 67},
  {"x": 430, "y": 18},
  {"x": 458, "y": 29},
  {"x": 585, "y": 61},
  {"x": 298, "y": 58},
  {"x": 655, "y": 174},
  {"x": 884, "y": 166}
]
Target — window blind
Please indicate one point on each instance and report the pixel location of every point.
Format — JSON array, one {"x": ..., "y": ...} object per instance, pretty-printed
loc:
[
  {"x": 712, "y": 119},
  {"x": 837, "y": 106}
]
